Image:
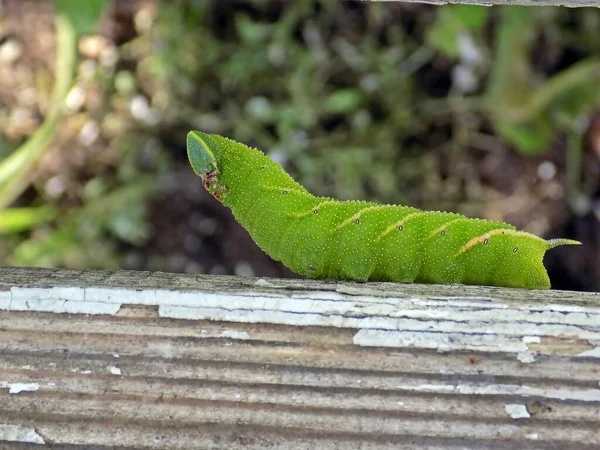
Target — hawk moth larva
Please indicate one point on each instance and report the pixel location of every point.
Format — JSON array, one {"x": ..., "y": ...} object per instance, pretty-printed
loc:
[{"x": 320, "y": 237}]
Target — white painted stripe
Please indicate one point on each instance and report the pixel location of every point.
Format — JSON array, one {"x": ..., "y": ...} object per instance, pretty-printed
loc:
[
  {"x": 440, "y": 323},
  {"x": 46, "y": 299},
  {"x": 16, "y": 388},
  {"x": 517, "y": 411},
  {"x": 442, "y": 342},
  {"x": 396, "y": 310},
  {"x": 583, "y": 395},
  {"x": 16, "y": 433}
]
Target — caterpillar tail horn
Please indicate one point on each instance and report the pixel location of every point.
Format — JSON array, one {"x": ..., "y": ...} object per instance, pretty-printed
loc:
[{"x": 558, "y": 242}]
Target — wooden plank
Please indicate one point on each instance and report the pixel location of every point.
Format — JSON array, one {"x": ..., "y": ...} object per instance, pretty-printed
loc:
[
  {"x": 157, "y": 360},
  {"x": 568, "y": 3}
]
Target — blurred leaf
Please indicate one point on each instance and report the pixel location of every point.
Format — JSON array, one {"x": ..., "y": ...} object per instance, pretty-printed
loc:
[
  {"x": 530, "y": 138},
  {"x": 472, "y": 17},
  {"x": 523, "y": 114},
  {"x": 63, "y": 248},
  {"x": 251, "y": 32},
  {"x": 79, "y": 238},
  {"x": 450, "y": 22},
  {"x": 343, "y": 101},
  {"x": 260, "y": 108},
  {"x": 574, "y": 89},
  {"x": 511, "y": 78},
  {"x": 84, "y": 14},
  {"x": 16, "y": 220},
  {"x": 122, "y": 211}
]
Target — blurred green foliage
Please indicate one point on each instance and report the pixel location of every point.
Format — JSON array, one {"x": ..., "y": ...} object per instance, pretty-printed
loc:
[
  {"x": 352, "y": 93},
  {"x": 78, "y": 237},
  {"x": 453, "y": 20},
  {"x": 73, "y": 19},
  {"x": 523, "y": 109},
  {"x": 372, "y": 101},
  {"x": 82, "y": 15},
  {"x": 15, "y": 169}
]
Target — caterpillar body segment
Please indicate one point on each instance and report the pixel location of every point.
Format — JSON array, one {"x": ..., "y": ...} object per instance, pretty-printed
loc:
[{"x": 320, "y": 237}]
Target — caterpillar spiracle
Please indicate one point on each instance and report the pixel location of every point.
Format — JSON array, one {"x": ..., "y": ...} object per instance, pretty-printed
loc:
[{"x": 320, "y": 237}]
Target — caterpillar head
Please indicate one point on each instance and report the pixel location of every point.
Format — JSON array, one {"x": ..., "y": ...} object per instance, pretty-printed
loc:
[{"x": 203, "y": 151}]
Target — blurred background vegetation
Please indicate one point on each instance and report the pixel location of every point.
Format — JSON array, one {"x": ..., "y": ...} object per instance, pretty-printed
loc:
[{"x": 490, "y": 112}]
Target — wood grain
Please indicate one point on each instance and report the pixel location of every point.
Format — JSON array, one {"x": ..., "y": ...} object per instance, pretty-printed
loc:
[
  {"x": 157, "y": 360},
  {"x": 568, "y": 3}
]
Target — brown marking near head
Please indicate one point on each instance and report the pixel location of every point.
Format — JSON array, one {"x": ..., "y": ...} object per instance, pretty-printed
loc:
[
  {"x": 443, "y": 233},
  {"x": 211, "y": 176},
  {"x": 357, "y": 221},
  {"x": 210, "y": 180},
  {"x": 315, "y": 211},
  {"x": 515, "y": 249},
  {"x": 285, "y": 191},
  {"x": 400, "y": 228}
]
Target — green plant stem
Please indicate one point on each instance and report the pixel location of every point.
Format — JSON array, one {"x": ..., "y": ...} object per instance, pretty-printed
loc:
[
  {"x": 16, "y": 220},
  {"x": 15, "y": 171}
]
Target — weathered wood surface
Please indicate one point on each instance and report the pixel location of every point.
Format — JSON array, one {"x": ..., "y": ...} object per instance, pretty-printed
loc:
[
  {"x": 569, "y": 3},
  {"x": 155, "y": 360}
]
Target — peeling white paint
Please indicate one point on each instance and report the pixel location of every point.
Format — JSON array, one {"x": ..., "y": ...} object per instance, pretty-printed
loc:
[
  {"x": 439, "y": 341},
  {"x": 517, "y": 411},
  {"x": 262, "y": 282},
  {"x": 526, "y": 357},
  {"x": 76, "y": 294},
  {"x": 16, "y": 388},
  {"x": 5, "y": 297},
  {"x": 55, "y": 299},
  {"x": 16, "y": 433},
  {"x": 477, "y": 323},
  {"x": 235, "y": 334},
  {"x": 584, "y": 395},
  {"x": 114, "y": 370},
  {"x": 477, "y": 313},
  {"x": 594, "y": 352},
  {"x": 254, "y": 316}
]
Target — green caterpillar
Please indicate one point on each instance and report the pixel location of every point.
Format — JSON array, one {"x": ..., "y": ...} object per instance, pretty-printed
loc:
[{"x": 320, "y": 237}]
